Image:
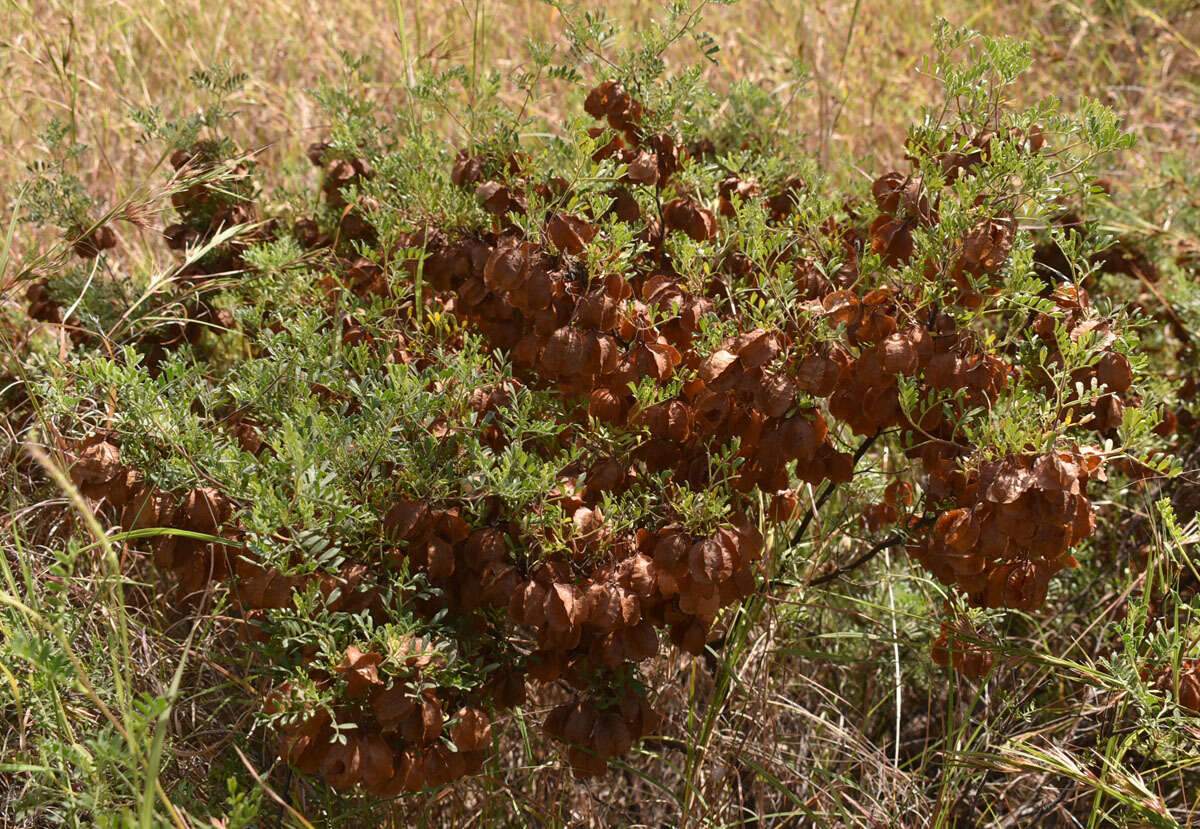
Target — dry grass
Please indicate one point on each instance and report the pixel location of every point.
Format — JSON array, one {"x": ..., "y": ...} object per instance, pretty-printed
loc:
[{"x": 89, "y": 62}]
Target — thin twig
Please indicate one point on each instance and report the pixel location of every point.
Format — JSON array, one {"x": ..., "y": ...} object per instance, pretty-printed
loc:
[{"x": 886, "y": 544}]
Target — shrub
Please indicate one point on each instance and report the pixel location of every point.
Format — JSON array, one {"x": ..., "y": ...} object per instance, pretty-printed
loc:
[{"x": 477, "y": 426}]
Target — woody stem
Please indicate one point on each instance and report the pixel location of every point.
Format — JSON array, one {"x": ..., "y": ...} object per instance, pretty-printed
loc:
[{"x": 828, "y": 491}]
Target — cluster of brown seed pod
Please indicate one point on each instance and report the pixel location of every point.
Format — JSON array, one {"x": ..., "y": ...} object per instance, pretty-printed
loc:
[
  {"x": 89, "y": 244},
  {"x": 904, "y": 207},
  {"x": 43, "y": 307},
  {"x": 943, "y": 359},
  {"x": 600, "y": 340},
  {"x": 897, "y": 496},
  {"x": 394, "y": 735},
  {"x": 1129, "y": 259},
  {"x": 218, "y": 195},
  {"x": 599, "y": 729},
  {"x": 979, "y": 254},
  {"x": 592, "y": 611},
  {"x": 400, "y": 730},
  {"x": 961, "y": 153},
  {"x": 1132, "y": 260},
  {"x": 99, "y": 474},
  {"x": 340, "y": 175},
  {"x": 1010, "y": 527},
  {"x": 959, "y": 646}
]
